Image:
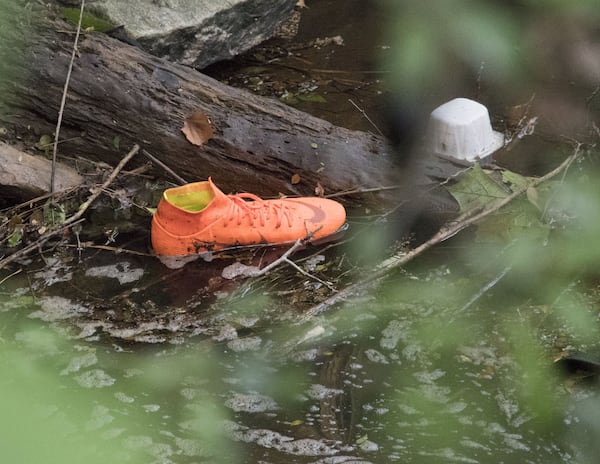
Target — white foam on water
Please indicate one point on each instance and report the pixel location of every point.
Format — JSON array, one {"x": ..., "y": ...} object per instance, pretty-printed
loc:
[
  {"x": 375, "y": 356},
  {"x": 251, "y": 402},
  {"x": 320, "y": 392},
  {"x": 79, "y": 362},
  {"x": 121, "y": 271},
  {"x": 57, "y": 308},
  {"x": 244, "y": 344},
  {"x": 95, "y": 378}
]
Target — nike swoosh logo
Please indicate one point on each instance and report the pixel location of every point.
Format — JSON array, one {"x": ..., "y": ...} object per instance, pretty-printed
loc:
[{"x": 318, "y": 213}]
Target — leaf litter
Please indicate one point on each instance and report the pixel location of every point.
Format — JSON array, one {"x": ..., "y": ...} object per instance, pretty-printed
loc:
[{"x": 197, "y": 128}]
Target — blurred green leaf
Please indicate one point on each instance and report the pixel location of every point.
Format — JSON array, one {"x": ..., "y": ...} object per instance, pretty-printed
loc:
[
  {"x": 311, "y": 97},
  {"x": 15, "y": 236},
  {"x": 88, "y": 21},
  {"x": 54, "y": 213}
]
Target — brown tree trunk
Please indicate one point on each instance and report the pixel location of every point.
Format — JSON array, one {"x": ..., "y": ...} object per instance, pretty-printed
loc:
[{"x": 119, "y": 95}]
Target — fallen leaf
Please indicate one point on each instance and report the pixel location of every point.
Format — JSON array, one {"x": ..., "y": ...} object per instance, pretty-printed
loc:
[
  {"x": 311, "y": 97},
  {"x": 15, "y": 237},
  {"x": 295, "y": 179},
  {"x": 361, "y": 440},
  {"x": 319, "y": 190},
  {"x": 197, "y": 128},
  {"x": 475, "y": 189},
  {"x": 54, "y": 213},
  {"x": 45, "y": 144}
]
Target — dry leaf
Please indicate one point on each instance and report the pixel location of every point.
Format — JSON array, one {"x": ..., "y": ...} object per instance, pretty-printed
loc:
[
  {"x": 295, "y": 179},
  {"x": 319, "y": 190},
  {"x": 197, "y": 128}
]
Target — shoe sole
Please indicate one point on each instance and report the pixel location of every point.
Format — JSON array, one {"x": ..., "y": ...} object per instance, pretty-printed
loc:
[
  {"x": 331, "y": 237},
  {"x": 177, "y": 262},
  {"x": 210, "y": 255},
  {"x": 320, "y": 241}
]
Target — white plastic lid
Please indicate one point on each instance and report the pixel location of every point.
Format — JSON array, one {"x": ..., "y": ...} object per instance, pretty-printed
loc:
[{"x": 461, "y": 129}]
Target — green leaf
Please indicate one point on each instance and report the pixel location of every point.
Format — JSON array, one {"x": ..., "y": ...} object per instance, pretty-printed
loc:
[
  {"x": 289, "y": 98},
  {"x": 517, "y": 219},
  {"x": 361, "y": 440},
  {"x": 311, "y": 97},
  {"x": 45, "y": 144},
  {"x": 476, "y": 189},
  {"x": 516, "y": 181},
  {"x": 295, "y": 98},
  {"x": 54, "y": 213},
  {"x": 89, "y": 21},
  {"x": 15, "y": 237}
]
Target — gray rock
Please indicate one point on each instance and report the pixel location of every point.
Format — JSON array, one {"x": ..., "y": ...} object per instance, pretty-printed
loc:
[{"x": 196, "y": 32}]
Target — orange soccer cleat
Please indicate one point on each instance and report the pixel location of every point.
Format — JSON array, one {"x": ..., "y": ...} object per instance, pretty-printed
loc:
[{"x": 198, "y": 217}]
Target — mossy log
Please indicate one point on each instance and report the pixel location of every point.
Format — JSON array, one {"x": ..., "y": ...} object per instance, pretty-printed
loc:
[{"x": 119, "y": 95}]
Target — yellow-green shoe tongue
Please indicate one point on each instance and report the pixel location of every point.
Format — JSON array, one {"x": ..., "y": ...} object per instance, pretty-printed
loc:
[{"x": 190, "y": 201}]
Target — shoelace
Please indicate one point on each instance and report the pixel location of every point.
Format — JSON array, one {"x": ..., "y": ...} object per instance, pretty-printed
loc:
[{"x": 257, "y": 209}]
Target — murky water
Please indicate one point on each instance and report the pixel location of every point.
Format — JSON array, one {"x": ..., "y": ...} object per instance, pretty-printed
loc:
[
  {"x": 138, "y": 361},
  {"x": 405, "y": 377}
]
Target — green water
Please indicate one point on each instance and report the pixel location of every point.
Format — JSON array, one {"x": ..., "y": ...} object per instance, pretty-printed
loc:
[{"x": 405, "y": 377}]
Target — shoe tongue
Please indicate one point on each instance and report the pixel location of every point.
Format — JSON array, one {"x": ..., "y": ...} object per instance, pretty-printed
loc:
[{"x": 219, "y": 196}]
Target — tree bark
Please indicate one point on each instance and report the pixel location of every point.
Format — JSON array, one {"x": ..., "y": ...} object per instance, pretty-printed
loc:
[{"x": 119, "y": 95}]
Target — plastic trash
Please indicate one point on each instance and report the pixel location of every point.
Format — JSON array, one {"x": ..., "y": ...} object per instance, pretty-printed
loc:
[{"x": 461, "y": 129}]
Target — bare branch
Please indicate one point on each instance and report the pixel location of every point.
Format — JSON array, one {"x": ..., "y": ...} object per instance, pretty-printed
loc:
[
  {"x": 64, "y": 99},
  {"x": 75, "y": 218},
  {"x": 375, "y": 277}
]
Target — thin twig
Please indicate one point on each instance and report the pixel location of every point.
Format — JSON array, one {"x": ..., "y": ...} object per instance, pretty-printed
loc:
[
  {"x": 155, "y": 160},
  {"x": 11, "y": 275},
  {"x": 284, "y": 257},
  {"x": 589, "y": 99},
  {"x": 64, "y": 99},
  {"x": 75, "y": 218},
  {"x": 97, "y": 191},
  {"x": 366, "y": 116},
  {"x": 363, "y": 190},
  {"x": 384, "y": 188},
  {"x": 400, "y": 259},
  {"x": 116, "y": 250},
  {"x": 309, "y": 275},
  {"x": 482, "y": 291},
  {"x": 32, "y": 246}
]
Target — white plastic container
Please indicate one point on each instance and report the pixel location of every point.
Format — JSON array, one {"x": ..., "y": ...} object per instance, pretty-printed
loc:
[{"x": 461, "y": 129}]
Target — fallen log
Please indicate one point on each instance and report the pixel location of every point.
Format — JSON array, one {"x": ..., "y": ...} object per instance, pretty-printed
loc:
[
  {"x": 119, "y": 95},
  {"x": 25, "y": 175}
]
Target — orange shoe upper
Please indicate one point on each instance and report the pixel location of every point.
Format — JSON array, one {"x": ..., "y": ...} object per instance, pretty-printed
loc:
[{"x": 199, "y": 217}]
